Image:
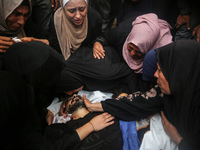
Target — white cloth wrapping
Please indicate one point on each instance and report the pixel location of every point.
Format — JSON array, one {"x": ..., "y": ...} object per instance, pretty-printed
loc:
[
  {"x": 94, "y": 97},
  {"x": 66, "y": 1},
  {"x": 156, "y": 138}
]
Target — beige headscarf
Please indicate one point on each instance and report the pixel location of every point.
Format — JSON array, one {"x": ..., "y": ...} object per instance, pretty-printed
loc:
[
  {"x": 69, "y": 37},
  {"x": 6, "y": 8}
]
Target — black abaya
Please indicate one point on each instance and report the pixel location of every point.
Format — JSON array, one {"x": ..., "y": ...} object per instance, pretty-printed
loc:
[
  {"x": 108, "y": 74},
  {"x": 180, "y": 63},
  {"x": 39, "y": 65},
  {"x": 34, "y": 67}
]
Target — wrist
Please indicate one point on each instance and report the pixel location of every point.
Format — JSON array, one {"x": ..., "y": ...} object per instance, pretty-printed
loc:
[
  {"x": 178, "y": 140},
  {"x": 93, "y": 129}
]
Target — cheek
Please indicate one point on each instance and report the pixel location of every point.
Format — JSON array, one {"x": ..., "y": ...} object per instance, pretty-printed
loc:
[
  {"x": 9, "y": 21},
  {"x": 83, "y": 14},
  {"x": 70, "y": 16}
]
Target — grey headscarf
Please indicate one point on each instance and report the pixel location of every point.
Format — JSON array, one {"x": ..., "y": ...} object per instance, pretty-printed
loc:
[{"x": 6, "y": 8}]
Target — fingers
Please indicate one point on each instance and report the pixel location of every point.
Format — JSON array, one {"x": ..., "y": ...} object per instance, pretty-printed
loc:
[
  {"x": 98, "y": 51},
  {"x": 86, "y": 101},
  {"x": 98, "y": 55},
  {"x": 164, "y": 119},
  {"x": 101, "y": 121},
  {"x": 183, "y": 19},
  {"x": 198, "y": 37},
  {"x": 177, "y": 25},
  {"x": 5, "y": 43},
  {"x": 49, "y": 117},
  {"x": 188, "y": 24},
  {"x": 54, "y": 4},
  {"x": 196, "y": 31},
  {"x": 62, "y": 109},
  {"x": 108, "y": 117},
  {"x": 27, "y": 39}
]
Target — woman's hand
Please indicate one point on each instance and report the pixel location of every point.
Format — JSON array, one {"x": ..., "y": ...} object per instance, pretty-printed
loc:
[
  {"x": 62, "y": 108},
  {"x": 95, "y": 124},
  {"x": 92, "y": 106},
  {"x": 49, "y": 117},
  {"x": 101, "y": 121},
  {"x": 197, "y": 32},
  {"x": 171, "y": 130},
  {"x": 30, "y": 39},
  {"x": 5, "y": 43},
  {"x": 183, "y": 19},
  {"x": 98, "y": 51}
]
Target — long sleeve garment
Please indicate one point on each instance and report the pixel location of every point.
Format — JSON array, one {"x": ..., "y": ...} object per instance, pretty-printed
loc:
[
  {"x": 33, "y": 30},
  {"x": 136, "y": 106}
]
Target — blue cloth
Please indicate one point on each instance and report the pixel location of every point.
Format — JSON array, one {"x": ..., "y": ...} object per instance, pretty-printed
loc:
[
  {"x": 129, "y": 134},
  {"x": 149, "y": 66}
]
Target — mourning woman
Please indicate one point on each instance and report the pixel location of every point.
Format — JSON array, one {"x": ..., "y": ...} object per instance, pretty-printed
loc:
[
  {"x": 178, "y": 79},
  {"x": 75, "y": 24},
  {"x": 83, "y": 71},
  {"x": 26, "y": 89},
  {"x": 15, "y": 22}
]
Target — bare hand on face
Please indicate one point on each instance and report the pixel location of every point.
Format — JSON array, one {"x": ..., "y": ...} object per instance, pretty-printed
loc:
[
  {"x": 101, "y": 121},
  {"x": 97, "y": 107},
  {"x": 183, "y": 19},
  {"x": 98, "y": 51},
  {"x": 171, "y": 130},
  {"x": 63, "y": 108},
  {"x": 88, "y": 104},
  {"x": 5, "y": 43}
]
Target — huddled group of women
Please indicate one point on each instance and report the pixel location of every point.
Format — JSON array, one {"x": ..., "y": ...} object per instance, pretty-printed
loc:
[{"x": 76, "y": 55}]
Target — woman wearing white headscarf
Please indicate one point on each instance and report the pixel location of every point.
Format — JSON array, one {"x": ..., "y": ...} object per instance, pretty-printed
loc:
[{"x": 75, "y": 24}]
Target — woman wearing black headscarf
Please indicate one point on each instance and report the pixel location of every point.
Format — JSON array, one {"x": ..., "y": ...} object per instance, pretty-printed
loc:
[
  {"x": 83, "y": 71},
  {"x": 179, "y": 63},
  {"x": 33, "y": 69},
  {"x": 39, "y": 65},
  {"x": 178, "y": 78}
]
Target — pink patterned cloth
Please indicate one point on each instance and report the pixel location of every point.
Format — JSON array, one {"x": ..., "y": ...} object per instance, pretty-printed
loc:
[{"x": 148, "y": 33}]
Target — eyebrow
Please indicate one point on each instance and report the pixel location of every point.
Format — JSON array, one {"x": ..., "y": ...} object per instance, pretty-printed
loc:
[{"x": 15, "y": 11}]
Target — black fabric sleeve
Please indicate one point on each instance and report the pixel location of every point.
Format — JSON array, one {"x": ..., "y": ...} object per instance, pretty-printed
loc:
[
  {"x": 184, "y": 7},
  {"x": 117, "y": 35},
  {"x": 60, "y": 136},
  {"x": 33, "y": 30},
  {"x": 52, "y": 30},
  {"x": 94, "y": 27},
  {"x": 135, "y": 108},
  {"x": 183, "y": 145}
]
